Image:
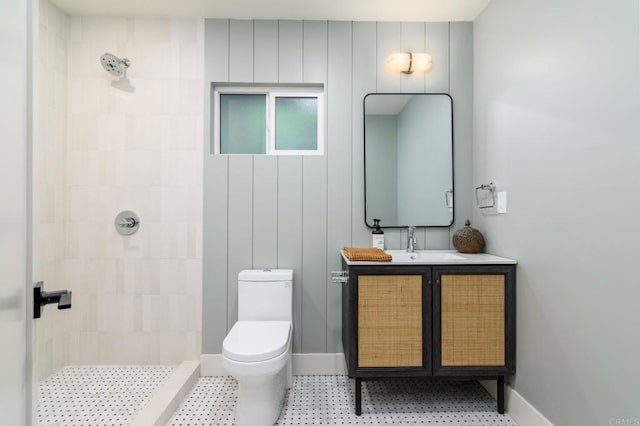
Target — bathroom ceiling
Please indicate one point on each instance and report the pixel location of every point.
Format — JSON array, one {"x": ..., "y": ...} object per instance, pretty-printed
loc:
[{"x": 345, "y": 10}]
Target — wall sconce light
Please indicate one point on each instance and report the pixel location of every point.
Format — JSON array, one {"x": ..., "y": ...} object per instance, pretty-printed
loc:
[{"x": 408, "y": 63}]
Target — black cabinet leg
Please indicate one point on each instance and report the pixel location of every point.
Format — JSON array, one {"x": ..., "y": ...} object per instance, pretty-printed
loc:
[
  {"x": 501, "y": 394},
  {"x": 358, "y": 396}
]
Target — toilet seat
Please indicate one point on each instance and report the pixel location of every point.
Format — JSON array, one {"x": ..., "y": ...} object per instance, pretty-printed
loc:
[{"x": 254, "y": 341}]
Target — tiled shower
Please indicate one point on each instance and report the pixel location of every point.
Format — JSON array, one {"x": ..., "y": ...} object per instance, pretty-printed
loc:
[{"x": 99, "y": 150}]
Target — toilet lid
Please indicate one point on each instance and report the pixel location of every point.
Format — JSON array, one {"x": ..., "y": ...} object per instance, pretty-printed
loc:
[{"x": 252, "y": 341}]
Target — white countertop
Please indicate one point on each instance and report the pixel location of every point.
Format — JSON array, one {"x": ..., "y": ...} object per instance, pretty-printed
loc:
[{"x": 436, "y": 257}]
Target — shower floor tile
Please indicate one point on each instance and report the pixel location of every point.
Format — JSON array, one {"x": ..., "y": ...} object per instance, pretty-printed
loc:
[
  {"x": 329, "y": 400},
  {"x": 97, "y": 395}
]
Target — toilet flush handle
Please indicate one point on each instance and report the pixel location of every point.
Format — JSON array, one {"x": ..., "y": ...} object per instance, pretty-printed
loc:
[{"x": 340, "y": 277}]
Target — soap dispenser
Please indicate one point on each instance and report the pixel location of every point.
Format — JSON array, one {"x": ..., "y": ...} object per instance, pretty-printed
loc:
[{"x": 377, "y": 235}]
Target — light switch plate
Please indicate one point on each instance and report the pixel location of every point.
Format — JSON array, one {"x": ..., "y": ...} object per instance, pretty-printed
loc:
[{"x": 502, "y": 202}]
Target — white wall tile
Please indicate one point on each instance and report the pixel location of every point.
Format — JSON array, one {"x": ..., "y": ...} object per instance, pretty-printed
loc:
[
  {"x": 181, "y": 204},
  {"x": 186, "y": 30},
  {"x": 178, "y": 313},
  {"x": 143, "y": 276},
  {"x": 142, "y": 168},
  {"x": 45, "y": 212},
  {"x": 173, "y": 347},
  {"x": 103, "y": 30},
  {"x": 111, "y": 132},
  {"x": 115, "y": 313},
  {"x": 136, "y": 298},
  {"x": 42, "y": 42},
  {"x": 190, "y": 97},
  {"x": 145, "y": 201},
  {"x": 43, "y": 12},
  {"x": 60, "y": 63},
  {"x": 154, "y": 313},
  {"x": 141, "y": 133},
  {"x": 181, "y": 168},
  {"x": 90, "y": 276},
  {"x": 121, "y": 101},
  {"x": 160, "y": 61},
  {"x": 155, "y": 96},
  {"x": 92, "y": 204},
  {"x": 93, "y": 240},
  {"x": 85, "y": 312},
  {"x": 191, "y": 61},
  {"x": 150, "y": 30},
  {"x": 183, "y": 132}
]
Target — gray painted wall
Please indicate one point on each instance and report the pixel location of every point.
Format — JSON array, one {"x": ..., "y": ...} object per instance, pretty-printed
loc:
[
  {"x": 297, "y": 212},
  {"x": 556, "y": 124}
]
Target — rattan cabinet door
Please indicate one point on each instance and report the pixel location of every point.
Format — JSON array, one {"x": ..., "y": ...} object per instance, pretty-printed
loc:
[
  {"x": 390, "y": 321},
  {"x": 472, "y": 318}
]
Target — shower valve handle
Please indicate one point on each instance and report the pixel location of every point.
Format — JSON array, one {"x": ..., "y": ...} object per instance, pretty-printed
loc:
[{"x": 128, "y": 222}]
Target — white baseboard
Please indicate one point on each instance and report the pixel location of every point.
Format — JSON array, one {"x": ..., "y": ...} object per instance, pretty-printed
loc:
[
  {"x": 319, "y": 364},
  {"x": 211, "y": 365},
  {"x": 303, "y": 364},
  {"x": 516, "y": 406}
]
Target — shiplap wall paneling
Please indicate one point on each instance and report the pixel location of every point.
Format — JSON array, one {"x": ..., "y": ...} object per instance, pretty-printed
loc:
[
  {"x": 339, "y": 189},
  {"x": 240, "y": 175},
  {"x": 214, "y": 292},
  {"x": 461, "y": 82},
  {"x": 314, "y": 209},
  {"x": 241, "y": 51},
  {"x": 297, "y": 212},
  {"x": 412, "y": 40},
  {"x": 265, "y": 168},
  {"x": 290, "y": 191},
  {"x": 265, "y": 41},
  {"x": 437, "y": 81},
  {"x": 290, "y": 234},
  {"x": 240, "y": 243},
  {"x": 389, "y": 41},
  {"x": 265, "y": 212},
  {"x": 364, "y": 81},
  {"x": 290, "y": 51},
  {"x": 437, "y": 45}
]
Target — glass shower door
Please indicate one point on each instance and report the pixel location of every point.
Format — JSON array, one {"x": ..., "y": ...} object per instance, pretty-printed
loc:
[{"x": 14, "y": 213}]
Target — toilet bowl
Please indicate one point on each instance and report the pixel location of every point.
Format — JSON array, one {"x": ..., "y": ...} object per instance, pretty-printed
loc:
[{"x": 257, "y": 350}]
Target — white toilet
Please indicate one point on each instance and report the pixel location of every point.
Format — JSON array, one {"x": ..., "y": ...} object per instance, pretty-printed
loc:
[{"x": 257, "y": 350}]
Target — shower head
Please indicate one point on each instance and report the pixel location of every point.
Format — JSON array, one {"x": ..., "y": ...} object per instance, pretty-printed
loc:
[{"x": 114, "y": 65}]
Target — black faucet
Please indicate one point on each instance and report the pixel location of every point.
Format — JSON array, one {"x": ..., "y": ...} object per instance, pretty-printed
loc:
[{"x": 41, "y": 298}]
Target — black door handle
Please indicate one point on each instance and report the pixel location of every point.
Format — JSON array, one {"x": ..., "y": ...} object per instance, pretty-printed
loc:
[{"x": 41, "y": 298}]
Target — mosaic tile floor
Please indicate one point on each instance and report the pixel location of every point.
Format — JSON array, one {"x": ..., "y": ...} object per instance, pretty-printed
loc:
[
  {"x": 97, "y": 395},
  {"x": 329, "y": 400}
]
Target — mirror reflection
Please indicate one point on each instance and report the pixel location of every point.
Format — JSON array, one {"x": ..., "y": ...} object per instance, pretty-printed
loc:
[{"x": 408, "y": 159}]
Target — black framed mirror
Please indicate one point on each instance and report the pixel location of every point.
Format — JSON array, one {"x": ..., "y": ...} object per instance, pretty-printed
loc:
[{"x": 408, "y": 159}]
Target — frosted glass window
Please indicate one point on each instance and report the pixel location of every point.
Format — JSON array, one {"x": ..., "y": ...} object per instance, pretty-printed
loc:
[
  {"x": 243, "y": 119},
  {"x": 296, "y": 123},
  {"x": 267, "y": 120}
]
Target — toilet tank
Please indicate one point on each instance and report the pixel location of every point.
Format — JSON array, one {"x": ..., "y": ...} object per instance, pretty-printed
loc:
[{"x": 265, "y": 295}]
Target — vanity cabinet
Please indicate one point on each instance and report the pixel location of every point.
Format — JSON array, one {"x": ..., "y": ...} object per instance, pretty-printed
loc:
[{"x": 429, "y": 321}]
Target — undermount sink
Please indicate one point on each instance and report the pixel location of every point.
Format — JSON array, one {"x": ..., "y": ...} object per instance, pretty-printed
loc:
[{"x": 401, "y": 256}]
